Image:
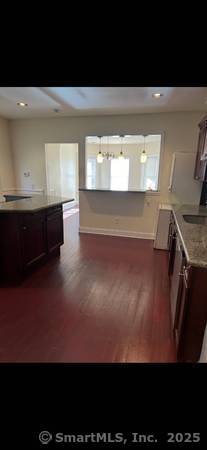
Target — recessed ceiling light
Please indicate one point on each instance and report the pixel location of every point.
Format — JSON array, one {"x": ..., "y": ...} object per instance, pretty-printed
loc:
[
  {"x": 116, "y": 136},
  {"x": 22, "y": 104},
  {"x": 157, "y": 95}
]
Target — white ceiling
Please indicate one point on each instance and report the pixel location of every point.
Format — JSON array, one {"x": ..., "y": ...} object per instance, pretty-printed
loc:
[{"x": 83, "y": 101}]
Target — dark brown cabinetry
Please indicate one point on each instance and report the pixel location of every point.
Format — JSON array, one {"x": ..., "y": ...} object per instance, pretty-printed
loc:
[
  {"x": 171, "y": 245},
  {"x": 188, "y": 297},
  {"x": 54, "y": 230},
  {"x": 181, "y": 302},
  {"x": 176, "y": 279},
  {"x": 33, "y": 238},
  {"x": 200, "y": 172},
  {"x": 27, "y": 239},
  {"x": 192, "y": 315}
]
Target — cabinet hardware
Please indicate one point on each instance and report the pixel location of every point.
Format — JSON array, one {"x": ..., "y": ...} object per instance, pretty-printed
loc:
[
  {"x": 24, "y": 228},
  {"x": 182, "y": 274}
]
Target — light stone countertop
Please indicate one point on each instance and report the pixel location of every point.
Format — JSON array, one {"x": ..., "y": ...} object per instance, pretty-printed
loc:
[
  {"x": 192, "y": 236},
  {"x": 32, "y": 204}
]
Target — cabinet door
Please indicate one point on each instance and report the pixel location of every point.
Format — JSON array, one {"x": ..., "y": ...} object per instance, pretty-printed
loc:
[
  {"x": 33, "y": 238},
  {"x": 54, "y": 230},
  {"x": 170, "y": 235},
  {"x": 200, "y": 166},
  {"x": 204, "y": 153},
  {"x": 171, "y": 246},
  {"x": 181, "y": 304},
  {"x": 176, "y": 280}
]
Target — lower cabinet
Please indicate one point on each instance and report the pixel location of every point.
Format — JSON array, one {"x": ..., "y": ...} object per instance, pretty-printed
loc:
[
  {"x": 26, "y": 239},
  {"x": 171, "y": 245},
  {"x": 181, "y": 304},
  {"x": 33, "y": 238},
  {"x": 176, "y": 278},
  {"x": 54, "y": 230},
  {"x": 188, "y": 294}
]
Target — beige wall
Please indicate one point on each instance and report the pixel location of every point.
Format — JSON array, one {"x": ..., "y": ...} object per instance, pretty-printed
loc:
[
  {"x": 135, "y": 212},
  {"x": 6, "y": 165}
]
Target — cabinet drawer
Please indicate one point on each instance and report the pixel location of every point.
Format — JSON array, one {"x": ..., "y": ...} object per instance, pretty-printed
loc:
[
  {"x": 54, "y": 209},
  {"x": 54, "y": 224},
  {"x": 33, "y": 238},
  {"x": 28, "y": 219}
]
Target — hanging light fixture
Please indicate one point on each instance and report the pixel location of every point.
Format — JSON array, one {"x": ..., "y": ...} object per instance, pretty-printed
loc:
[
  {"x": 104, "y": 155},
  {"x": 121, "y": 155},
  {"x": 143, "y": 157},
  {"x": 99, "y": 156},
  {"x": 108, "y": 155}
]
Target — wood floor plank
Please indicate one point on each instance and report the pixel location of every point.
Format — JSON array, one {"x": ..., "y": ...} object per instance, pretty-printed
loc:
[{"x": 106, "y": 299}]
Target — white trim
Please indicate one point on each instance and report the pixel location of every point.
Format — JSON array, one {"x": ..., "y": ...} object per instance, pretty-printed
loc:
[
  {"x": 70, "y": 205},
  {"x": 121, "y": 233},
  {"x": 152, "y": 193}
]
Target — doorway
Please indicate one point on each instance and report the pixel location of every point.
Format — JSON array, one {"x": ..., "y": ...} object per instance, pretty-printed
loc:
[{"x": 62, "y": 178}]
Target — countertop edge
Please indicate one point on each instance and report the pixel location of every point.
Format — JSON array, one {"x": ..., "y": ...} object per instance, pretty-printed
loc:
[
  {"x": 35, "y": 209},
  {"x": 189, "y": 260}
]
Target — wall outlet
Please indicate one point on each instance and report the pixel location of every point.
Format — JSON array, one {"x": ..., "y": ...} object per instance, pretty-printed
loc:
[
  {"x": 27, "y": 174},
  {"x": 116, "y": 220}
]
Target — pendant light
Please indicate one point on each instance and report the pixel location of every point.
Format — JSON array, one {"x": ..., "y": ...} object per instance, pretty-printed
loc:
[
  {"x": 121, "y": 156},
  {"x": 108, "y": 155},
  {"x": 99, "y": 156},
  {"x": 143, "y": 157}
]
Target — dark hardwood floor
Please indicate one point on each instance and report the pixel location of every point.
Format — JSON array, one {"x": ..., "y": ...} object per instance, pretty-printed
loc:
[{"x": 106, "y": 299}]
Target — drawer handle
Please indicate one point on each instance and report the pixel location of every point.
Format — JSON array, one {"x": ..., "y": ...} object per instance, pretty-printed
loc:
[{"x": 183, "y": 274}]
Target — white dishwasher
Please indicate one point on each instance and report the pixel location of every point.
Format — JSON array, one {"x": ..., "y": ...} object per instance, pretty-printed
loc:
[{"x": 163, "y": 222}]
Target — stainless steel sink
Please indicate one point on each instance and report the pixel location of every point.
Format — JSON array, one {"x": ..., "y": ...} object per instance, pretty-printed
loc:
[{"x": 199, "y": 220}]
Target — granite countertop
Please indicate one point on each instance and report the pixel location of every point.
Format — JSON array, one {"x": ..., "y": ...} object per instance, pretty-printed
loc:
[
  {"x": 192, "y": 236},
  {"x": 31, "y": 204}
]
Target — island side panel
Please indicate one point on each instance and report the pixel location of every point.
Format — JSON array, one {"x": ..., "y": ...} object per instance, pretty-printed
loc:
[
  {"x": 10, "y": 247},
  {"x": 28, "y": 239}
]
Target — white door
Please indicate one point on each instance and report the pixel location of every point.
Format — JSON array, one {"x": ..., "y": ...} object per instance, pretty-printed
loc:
[{"x": 62, "y": 170}]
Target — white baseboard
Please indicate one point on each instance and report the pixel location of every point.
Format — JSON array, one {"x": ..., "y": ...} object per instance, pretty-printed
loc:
[{"x": 121, "y": 233}]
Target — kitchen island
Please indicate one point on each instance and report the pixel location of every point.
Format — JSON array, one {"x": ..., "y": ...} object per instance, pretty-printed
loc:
[{"x": 31, "y": 232}]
